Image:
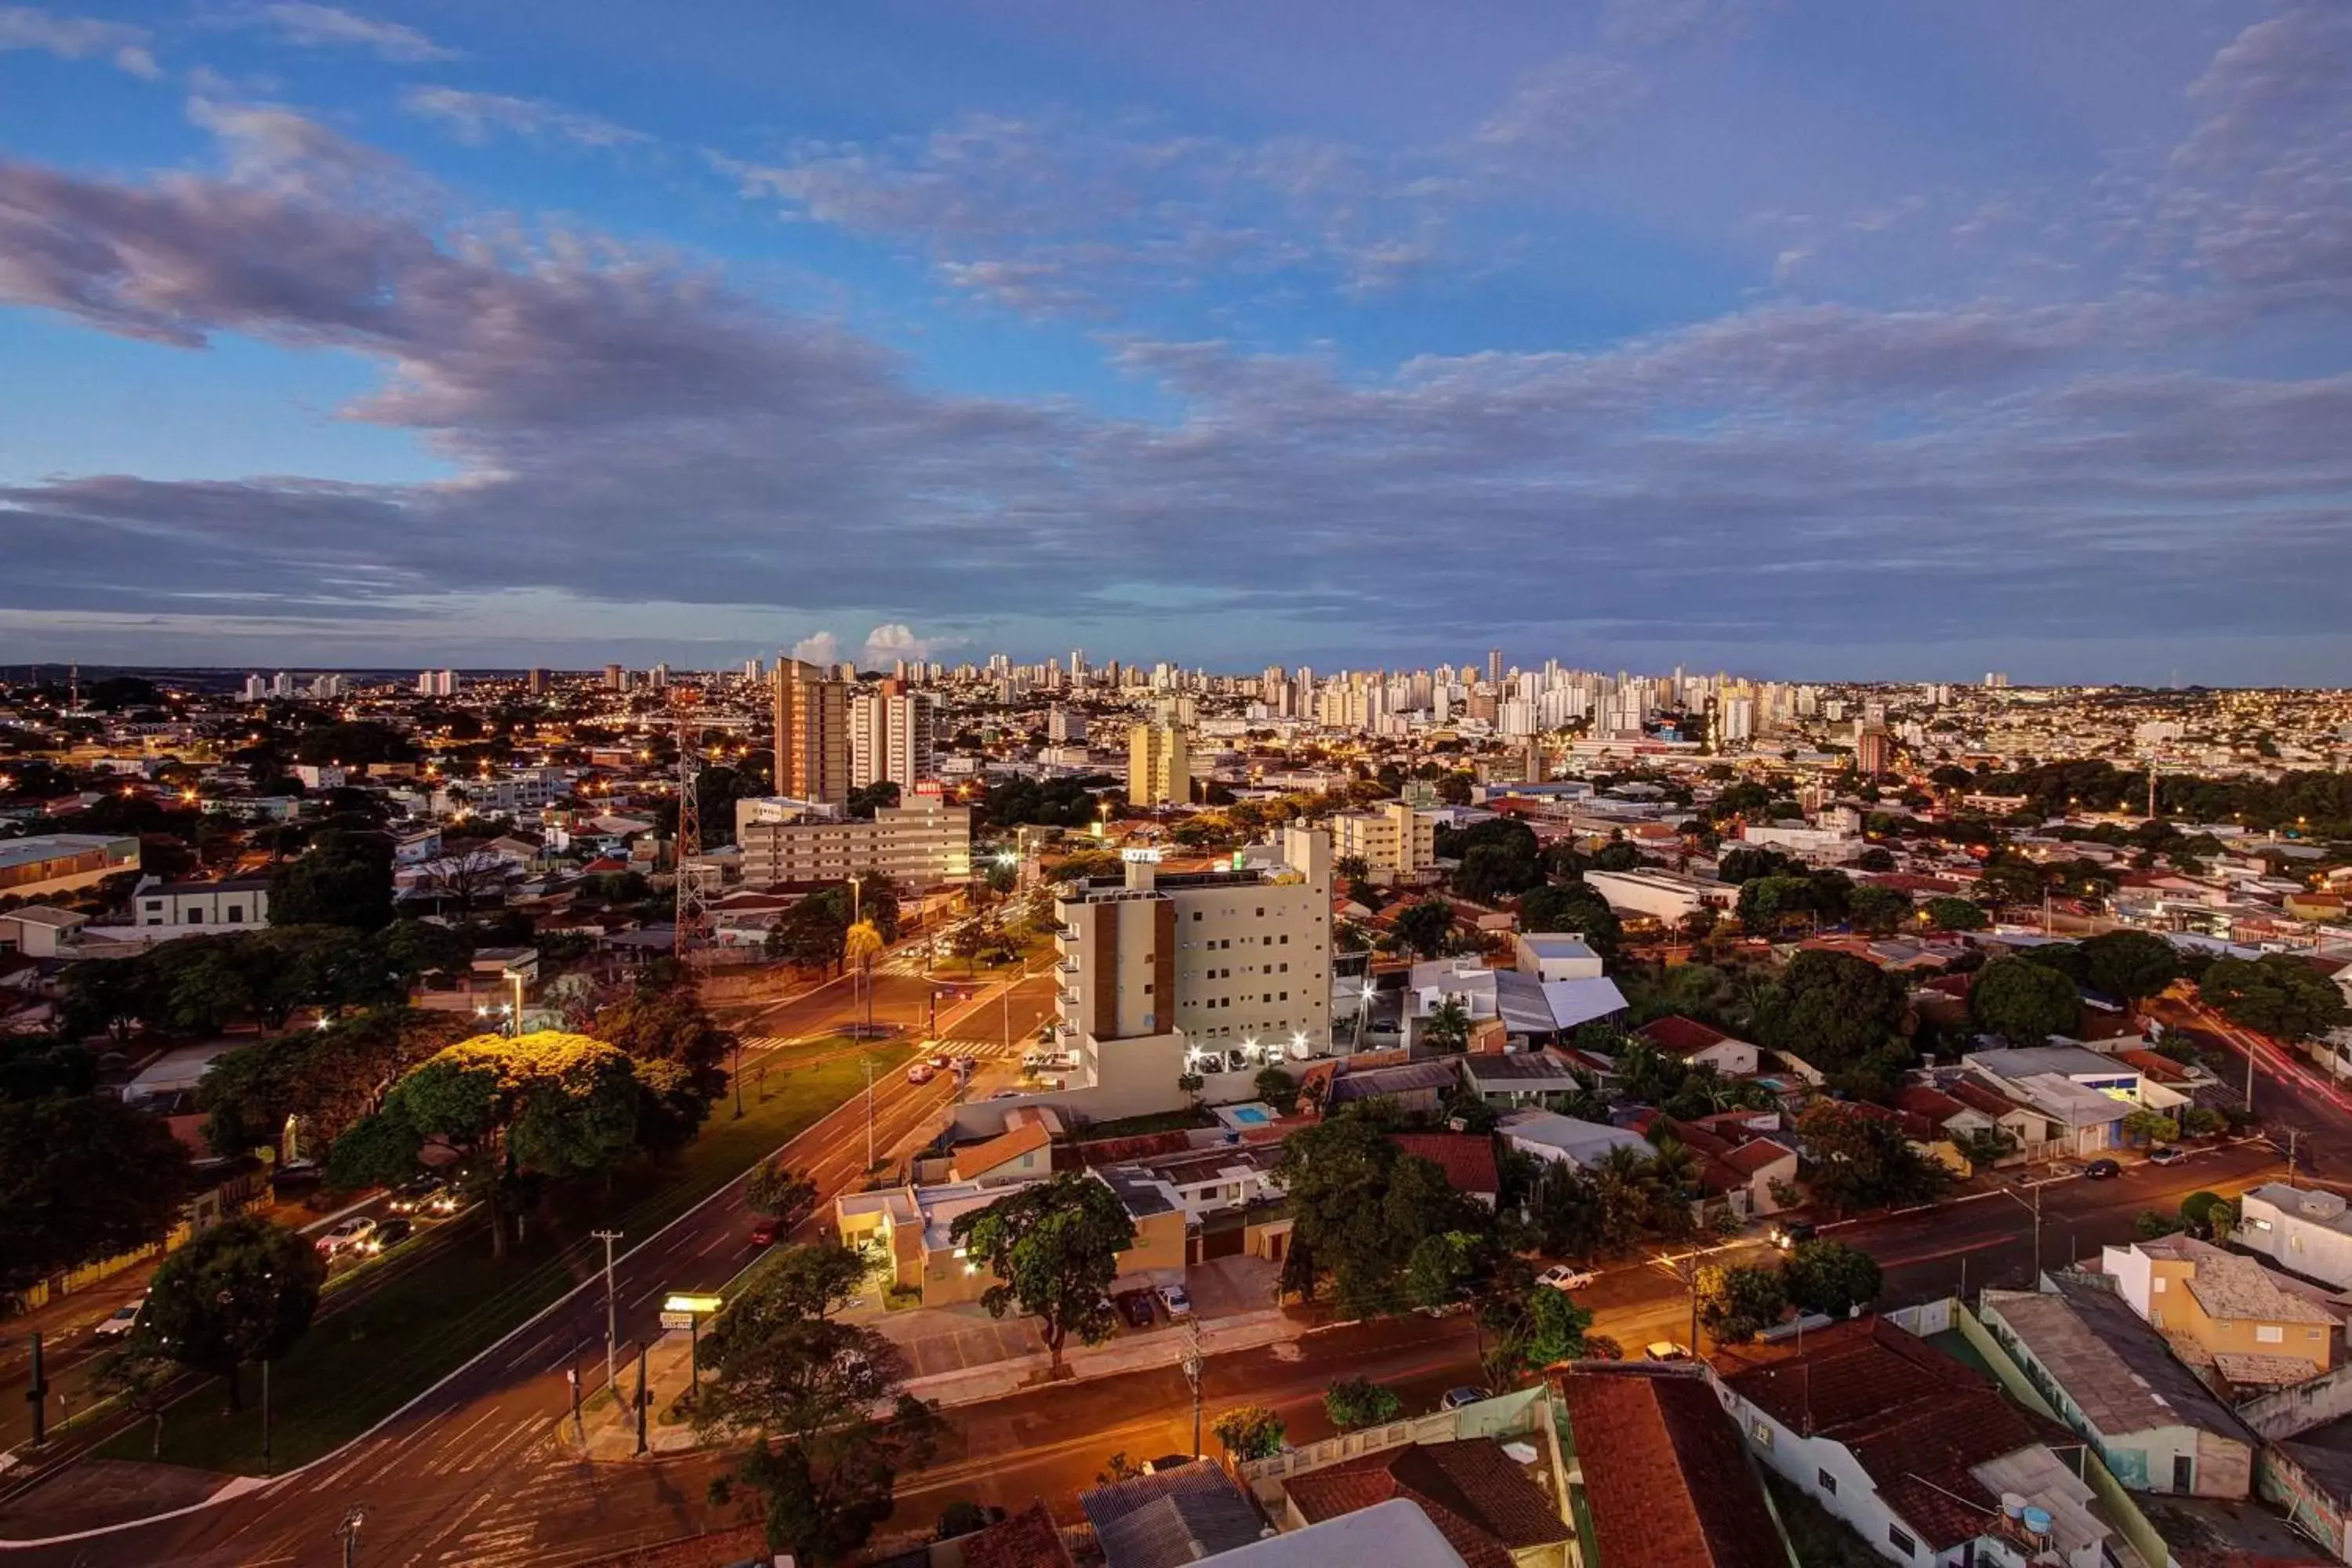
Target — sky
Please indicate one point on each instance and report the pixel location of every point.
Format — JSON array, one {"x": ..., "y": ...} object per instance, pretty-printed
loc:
[{"x": 1905, "y": 340}]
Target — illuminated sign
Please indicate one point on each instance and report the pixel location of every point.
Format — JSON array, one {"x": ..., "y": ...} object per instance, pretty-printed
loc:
[
  {"x": 1141, "y": 857},
  {"x": 702, "y": 1304}
]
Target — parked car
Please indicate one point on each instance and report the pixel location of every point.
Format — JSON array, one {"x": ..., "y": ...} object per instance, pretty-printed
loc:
[
  {"x": 1468, "y": 1393},
  {"x": 1790, "y": 1232},
  {"x": 1665, "y": 1349},
  {"x": 1178, "y": 1304},
  {"x": 2100, "y": 1170},
  {"x": 1563, "y": 1277},
  {"x": 765, "y": 1229},
  {"x": 1168, "y": 1462},
  {"x": 412, "y": 1197},
  {"x": 2167, "y": 1155},
  {"x": 347, "y": 1235},
  {"x": 920, "y": 1073},
  {"x": 1135, "y": 1306},
  {"x": 125, "y": 1319},
  {"x": 391, "y": 1233}
]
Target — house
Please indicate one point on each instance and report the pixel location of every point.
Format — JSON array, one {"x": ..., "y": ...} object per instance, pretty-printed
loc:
[
  {"x": 1029, "y": 1539},
  {"x": 1551, "y": 1137},
  {"x": 2033, "y": 1135},
  {"x": 1913, "y": 1449},
  {"x": 908, "y": 1229},
  {"x": 236, "y": 903},
  {"x": 2224, "y": 1312},
  {"x": 37, "y": 930},
  {"x": 1742, "y": 1171},
  {"x": 2109, "y": 1376},
  {"x": 1415, "y": 1086},
  {"x": 1700, "y": 1045},
  {"x": 1220, "y": 1179},
  {"x": 1554, "y": 955},
  {"x": 1526, "y": 1079},
  {"x": 1186, "y": 1514},
  {"x": 1467, "y": 1158},
  {"x": 1020, "y": 1153},
  {"x": 1655, "y": 1474},
  {"x": 1392, "y": 1534},
  {"x": 2301, "y": 1229},
  {"x": 1480, "y": 1499}
]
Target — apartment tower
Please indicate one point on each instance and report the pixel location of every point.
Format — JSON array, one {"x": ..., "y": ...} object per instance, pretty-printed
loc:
[{"x": 812, "y": 734}]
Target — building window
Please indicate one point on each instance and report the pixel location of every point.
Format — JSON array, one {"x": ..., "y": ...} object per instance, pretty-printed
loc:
[
  {"x": 1760, "y": 1433},
  {"x": 1826, "y": 1482},
  {"x": 1900, "y": 1542},
  {"x": 236, "y": 915},
  {"x": 2269, "y": 1334},
  {"x": 194, "y": 917}
]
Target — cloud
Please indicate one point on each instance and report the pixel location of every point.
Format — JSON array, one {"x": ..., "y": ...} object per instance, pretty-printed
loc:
[
  {"x": 319, "y": 26},
  {"x": 473, "y": 117},
  {"x": 819, "y": 649},
  {"x": 78, "y": 38},
  {"x": 893, "y": 641}
]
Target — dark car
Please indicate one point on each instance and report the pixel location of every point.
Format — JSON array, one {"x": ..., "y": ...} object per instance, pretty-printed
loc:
[
  {"x": 765, "y": 1229},
  {"x": 390, "y": 1234},
  {"x": 1790, "y": 1232},
  {"x": 2100, "y": 1170},
  {"x": 1135, "y": 1306}
]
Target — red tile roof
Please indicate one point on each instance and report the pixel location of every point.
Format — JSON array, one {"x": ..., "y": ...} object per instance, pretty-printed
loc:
[
  {"x": 1029, "y": 1539},
  {"x": 1665, "y": 1476},
  {"x": 1681, "y": 1036},
  {"x": 1913, "y": 1419},
  {"x": 1483, "y": 1504},
  {"x": 1467, "y": 1158}
]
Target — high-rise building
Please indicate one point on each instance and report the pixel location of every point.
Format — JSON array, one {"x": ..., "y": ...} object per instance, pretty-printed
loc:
[
  {"x": 1873, "y": 750},
  {"x": 658, "y": 678},
  {"x": 256, "y": 689},
  {"x": 1065, "y": 726},
  {"x": 812, "y": 715},
  {"x": 437, "y": 683},
  {"x": 890, "y": 737},
  {"x": 536, "y": 681},
  {"x": 921, "y": 843},
  {"x": 1159, "y": 766},
  {"x": 1494, "y": 667}
]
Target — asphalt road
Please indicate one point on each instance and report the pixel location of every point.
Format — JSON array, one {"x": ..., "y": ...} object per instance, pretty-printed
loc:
[{"x": 471, "y": 1474}]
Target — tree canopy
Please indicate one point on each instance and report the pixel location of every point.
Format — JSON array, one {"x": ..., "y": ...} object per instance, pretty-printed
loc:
[
  {"x": 1383, "y": 1222},
  {"x": 344, "y": 879},
  {"x": 2024, "y": 1003},
  {"x": 2276, "y": 994},
  {"x": 1841, "y": 1014},
  {"x": 82, "y": 1177},
  {"x": 2129, "y": 965},
  {"x": 242, "y": 1290},
  {"x": 1053, "y": 1247}
]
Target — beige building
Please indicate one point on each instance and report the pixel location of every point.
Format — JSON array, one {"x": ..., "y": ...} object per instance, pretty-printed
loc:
[
  {"x": 60, "y": 862},
  {"x": 812, "y": 722},
  {"x": 2224, "y": 1311},
  {"x": 890, "y": 737},
  {"x": 909, "y": 1227},
  {"x": 1393, "y": 840},
  {"x": 1235, "y": 963},
  {"x": 1159, "y": 766},
  {"x": 919, "y": 844}
]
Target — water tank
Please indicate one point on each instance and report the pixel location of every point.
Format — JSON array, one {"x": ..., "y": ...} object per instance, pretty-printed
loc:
[
  {"x": 2012, "y": 1506},
  {"x": 2037, "y": 1520}
]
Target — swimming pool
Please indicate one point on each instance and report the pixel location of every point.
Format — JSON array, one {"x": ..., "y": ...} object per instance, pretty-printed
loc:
[{"x": 1248, "y": 1116}]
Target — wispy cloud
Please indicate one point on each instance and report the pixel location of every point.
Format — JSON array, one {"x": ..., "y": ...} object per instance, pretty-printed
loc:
[
  {"x": 474, "y": 118},
  {"x": 330, "y": 27},
  {"x": 127, "y": 47}
]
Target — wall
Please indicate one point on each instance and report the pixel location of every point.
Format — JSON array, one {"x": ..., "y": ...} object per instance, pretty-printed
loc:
[
  {"x": 2313, "y": 1508},
  {"x": 2293, "y": 1411}
]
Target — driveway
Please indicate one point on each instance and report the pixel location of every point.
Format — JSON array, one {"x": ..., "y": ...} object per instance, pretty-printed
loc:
[{"x": 1226, "y": 1287}]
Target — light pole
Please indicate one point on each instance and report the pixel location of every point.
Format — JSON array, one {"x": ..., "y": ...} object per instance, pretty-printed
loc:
[
  {"x": 735, "y": 1074},
  {"x": 348, "y": 1531},
  {"x": 612, "y": 1314},
  {"x": 1195, "y": 1366},
  {"x": 2033, "y": 1209}
]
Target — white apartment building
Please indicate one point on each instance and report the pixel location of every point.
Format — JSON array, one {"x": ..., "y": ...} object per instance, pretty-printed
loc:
[
  {"x": 919, "y": 844},
  {"x": 1159, "y": 973},
  {"x": 1393, "y": 840},
  {"x": 891, "y": 738},
  {"x": 1665, "y": 896},
  {"x": 2304, "y": 1230},
  {"x": 1065, "y": 726},
  {"x": 237, "y": 903}
]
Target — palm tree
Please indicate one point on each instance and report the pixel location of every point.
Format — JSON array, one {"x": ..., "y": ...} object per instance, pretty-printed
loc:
[
  {"x": 1448, "y": 1028},
  {"x": 1673, "y": 1178},
  {"x": 860, "y": 945},
  {"x": 1621, "y": 1195}
]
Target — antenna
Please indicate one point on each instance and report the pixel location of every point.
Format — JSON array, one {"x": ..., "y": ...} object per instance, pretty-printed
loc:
[{"x": 692, "y": 910}]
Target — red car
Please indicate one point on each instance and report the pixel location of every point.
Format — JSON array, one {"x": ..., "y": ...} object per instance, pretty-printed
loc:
[{"x": 765, "y": 1231}]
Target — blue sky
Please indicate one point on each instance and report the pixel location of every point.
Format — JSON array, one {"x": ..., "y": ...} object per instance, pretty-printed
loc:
[{"x": 1907, "y": 340}]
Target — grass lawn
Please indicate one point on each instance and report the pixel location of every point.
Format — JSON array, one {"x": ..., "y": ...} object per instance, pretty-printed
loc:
[{"x": 387, "y": 1344}]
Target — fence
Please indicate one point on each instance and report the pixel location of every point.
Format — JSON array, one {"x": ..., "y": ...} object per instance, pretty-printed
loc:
[
  {"x": 2293, "y": 1411},
  {"x": 1507, "y": 1416}
]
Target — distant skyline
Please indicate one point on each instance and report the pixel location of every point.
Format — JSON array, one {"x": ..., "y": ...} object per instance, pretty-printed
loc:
[{"x": 1806, "y": 340}]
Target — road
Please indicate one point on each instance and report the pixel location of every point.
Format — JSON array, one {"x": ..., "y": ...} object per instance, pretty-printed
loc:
[
  {"x": 2289, "y": 1094},
  {"x": 474, "y": 1476},
  {"x": 463, "y": 1476}
]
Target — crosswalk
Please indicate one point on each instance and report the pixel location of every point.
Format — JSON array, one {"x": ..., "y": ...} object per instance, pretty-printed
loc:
[{"x": 982, "y": 1050}]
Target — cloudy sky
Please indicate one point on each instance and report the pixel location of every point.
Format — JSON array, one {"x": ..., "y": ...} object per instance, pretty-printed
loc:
[{"x": 1793, "y": 336}]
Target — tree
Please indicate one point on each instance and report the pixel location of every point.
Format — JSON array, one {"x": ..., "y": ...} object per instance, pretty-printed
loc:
[
  {"x": 242, "y": 1290},
  {"x": 1829, "y": 1278},
  {"x": 1737, "y": 1302},
  {"x": 2150, "y": 1127},
  {"x": 1053, "y": 1247},
  {"x": 2208, "y": 1215},
  {"x": 2276, "y": 994},
  {"x": 141, "y": 1381},
  {"x": 2004, "y": 883},
  {"x": 1768, "y": 903},
  {"x": 1573, "y": 908},
  {"x": 1533, "y": 1327},
  {"x": 1426, "y": 927},
  {"x": 1447, "y": 1029},
  {"x": 2129, "y": 965},
  {"x": 544, "y": 1103},
  {"x": 1249, "y": 1432},
  {"x": 1353, "y": 1403},
  {"x": 668, "y": 1026},
  {"x": 345, "y": 879},
  {"x": 776, "y": 1190},
  {"x": 1877, "y": 910},
  {"x": 1955, "y": 914},
  {"x": 82, "y": 1178},
  {"x": 1842, "y": 1015},
  {"x": 2025, "y": 1002},
  {"x": 806, "y": 1387},
  {"x": 1378, "y": 1220},
  {"x": 1858, "y": 1158},
  {"x": 1277, "y": 1089}
]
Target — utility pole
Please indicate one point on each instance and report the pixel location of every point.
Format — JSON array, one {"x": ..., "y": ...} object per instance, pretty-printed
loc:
[
  {"x": 736, "y": 1075},
  {"x": 349, "y": 1530},
  {"x": 1195, "y": 1367},
  {"x": 612, "y": 1314},
  {"x": 644, "y": 1399},
  {"x": 37, "y": 1395}
]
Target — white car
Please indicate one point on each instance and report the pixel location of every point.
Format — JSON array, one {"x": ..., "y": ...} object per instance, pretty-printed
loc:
[
  {"x": 920, "y": 1073},
  {"x": 1562, "y": 1276},
  {"x": 125, "y": 1318},
  {"x": 348, "y": 1235},
  {"x": 1172, "y": 1298}
]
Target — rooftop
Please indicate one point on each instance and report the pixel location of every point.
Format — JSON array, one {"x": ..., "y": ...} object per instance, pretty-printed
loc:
[
  {"x": 1478, "y": 1497},
  {"x": 2114, "y": 1367},
  {"x": 1172, "y": 1517},
  {"x": 1392, "y": 1534},
  {"x": 1666, "y": 1478}
]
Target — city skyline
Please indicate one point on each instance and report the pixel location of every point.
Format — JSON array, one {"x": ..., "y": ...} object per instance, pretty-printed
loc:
[{"x": 1731, "y": 335}]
